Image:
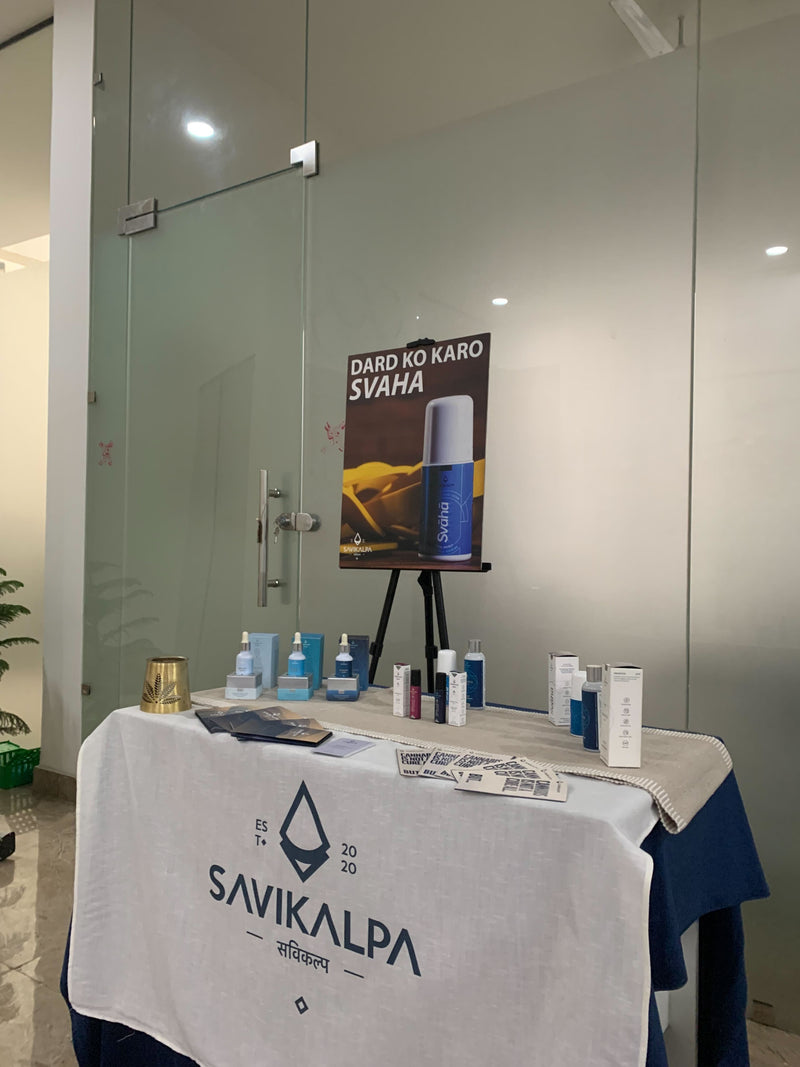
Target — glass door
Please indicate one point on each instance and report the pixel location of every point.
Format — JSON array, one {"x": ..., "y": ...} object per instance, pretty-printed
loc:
[
  {"x": 213, "y": 399},
  {"x": 196, "y": 356}
]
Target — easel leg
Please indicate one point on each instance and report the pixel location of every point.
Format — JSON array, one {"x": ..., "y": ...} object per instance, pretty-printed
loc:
[
  {"x": 376, "y": 647},
  {"x": 426, "y": 585},
  {"x": 444, "y": 639}
]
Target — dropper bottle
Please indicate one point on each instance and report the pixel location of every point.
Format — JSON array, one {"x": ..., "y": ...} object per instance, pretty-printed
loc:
[
  {"x": 244, "y": 659},
  {"x": 297, "y": 659},
  {"x": 344, "y": 661}
]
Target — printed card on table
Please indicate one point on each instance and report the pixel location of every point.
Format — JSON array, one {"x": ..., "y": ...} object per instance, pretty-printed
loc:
[
  {"x": 438, "y": 766},
  {"x": 410, "y": 761},
  {"x": 504, "y": 785}
]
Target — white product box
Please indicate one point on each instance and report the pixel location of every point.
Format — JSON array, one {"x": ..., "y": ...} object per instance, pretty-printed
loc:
[
  {"x": 243, "y": 686},
  {"x": 457, "y": 699},
  {"x": 401, "y": 703},
  {"x": 619, "y": 720},
  {"x": 561, "y": 667}
]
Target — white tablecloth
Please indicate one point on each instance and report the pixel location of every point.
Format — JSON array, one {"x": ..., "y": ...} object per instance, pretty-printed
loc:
[{"x": 419, "y": 923}]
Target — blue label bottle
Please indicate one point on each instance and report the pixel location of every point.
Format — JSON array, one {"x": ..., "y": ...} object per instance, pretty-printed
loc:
[{"x": 590, "y": 695}]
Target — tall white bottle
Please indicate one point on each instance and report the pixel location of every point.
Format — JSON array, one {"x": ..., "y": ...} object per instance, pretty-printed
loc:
[{"x": 475, "y": 668}]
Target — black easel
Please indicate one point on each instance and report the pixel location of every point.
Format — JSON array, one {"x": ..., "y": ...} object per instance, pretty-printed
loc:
[{"x": 430, "y": 582}]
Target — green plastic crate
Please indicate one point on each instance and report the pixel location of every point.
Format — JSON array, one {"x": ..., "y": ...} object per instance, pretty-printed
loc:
[{"x": 16, "y": 764}]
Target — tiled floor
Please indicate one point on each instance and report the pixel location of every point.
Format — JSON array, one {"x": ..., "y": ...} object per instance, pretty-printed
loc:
[{"x": 35, "y": 906}]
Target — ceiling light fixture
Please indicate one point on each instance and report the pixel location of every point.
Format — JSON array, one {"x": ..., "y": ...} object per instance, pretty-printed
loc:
[
  {"x": 200, "y": 130},
  {"x": 777, "y": 250},
  {"x": 651, "y": 40},
  {"x": 499, "y": 301}
]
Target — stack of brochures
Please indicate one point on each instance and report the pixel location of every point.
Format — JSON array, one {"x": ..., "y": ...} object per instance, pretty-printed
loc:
[
  {"x": 515, "y": 777},
  {"x": 263, "y": 724}
]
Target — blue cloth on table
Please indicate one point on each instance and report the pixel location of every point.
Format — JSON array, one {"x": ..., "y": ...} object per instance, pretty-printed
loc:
[{"x": 704, "y": 873}]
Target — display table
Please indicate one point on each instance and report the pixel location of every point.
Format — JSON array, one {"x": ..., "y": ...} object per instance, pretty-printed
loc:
[{"x": 262, "y": 904}]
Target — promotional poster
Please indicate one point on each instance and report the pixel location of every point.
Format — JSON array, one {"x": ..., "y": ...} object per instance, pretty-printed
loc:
[{"x": 414, "y": 456}]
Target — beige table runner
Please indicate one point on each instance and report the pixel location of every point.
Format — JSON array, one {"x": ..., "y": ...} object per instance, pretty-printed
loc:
[{"x": 679, "y": 770}]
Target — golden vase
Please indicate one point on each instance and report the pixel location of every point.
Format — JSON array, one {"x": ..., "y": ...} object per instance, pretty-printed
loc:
[{"x": 166, "y": 685}]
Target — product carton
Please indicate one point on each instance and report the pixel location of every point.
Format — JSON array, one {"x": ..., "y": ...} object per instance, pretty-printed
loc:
[
  {"x": 265, "y": 657},
  {"x": 401, "y": 702},
  {"x": 457, "y": 699},
  {"x": 561, "y": 667},
  {"x": 620, "y": 715},
  {"x": 314, "y": 651},
  {"x": 359, "y": 650}
]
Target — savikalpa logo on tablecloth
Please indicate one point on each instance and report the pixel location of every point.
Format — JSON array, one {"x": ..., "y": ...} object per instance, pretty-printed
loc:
[
  {"x": 304, "y": 815},
  {"x": 305, "y": 844}
]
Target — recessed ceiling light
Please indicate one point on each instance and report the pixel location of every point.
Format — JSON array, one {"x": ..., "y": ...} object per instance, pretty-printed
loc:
[
  {"x": 777, "y": 250},
  {"x": 499, "y": 301},
  {"x": 199, "y": 129}
]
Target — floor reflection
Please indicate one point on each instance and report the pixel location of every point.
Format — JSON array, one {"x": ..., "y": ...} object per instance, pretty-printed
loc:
[{"x": 35, "y": 908}]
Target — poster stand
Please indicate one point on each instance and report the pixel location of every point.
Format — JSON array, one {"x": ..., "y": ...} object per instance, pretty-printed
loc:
[{"x": 430, "y": 582}]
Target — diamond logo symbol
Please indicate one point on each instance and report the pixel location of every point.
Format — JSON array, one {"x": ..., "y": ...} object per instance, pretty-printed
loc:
[{"x": 302, "y": 838}]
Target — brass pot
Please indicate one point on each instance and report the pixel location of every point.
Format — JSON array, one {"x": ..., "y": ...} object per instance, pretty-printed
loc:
[{"x": 166, "y": 685}]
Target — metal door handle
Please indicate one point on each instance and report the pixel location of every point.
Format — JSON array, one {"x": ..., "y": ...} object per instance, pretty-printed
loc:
[
  {"x": 262, "y": 536},
  {"x": 301, "y": 521}
]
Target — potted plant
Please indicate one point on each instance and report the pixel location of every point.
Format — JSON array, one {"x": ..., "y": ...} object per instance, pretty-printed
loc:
[{"x": 11, "y": 725}]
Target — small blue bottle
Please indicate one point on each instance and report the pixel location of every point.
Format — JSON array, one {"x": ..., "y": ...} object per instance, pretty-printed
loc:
[
  {"x": 576, "y": 704},
  {"x": 590, "y": 695},
  {"x": 343, "y": 667}
]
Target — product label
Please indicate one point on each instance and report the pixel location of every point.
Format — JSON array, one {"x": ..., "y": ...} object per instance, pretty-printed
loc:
[
  {"x": 446, "y": 521},
  {"x": 474, "y": 672}
]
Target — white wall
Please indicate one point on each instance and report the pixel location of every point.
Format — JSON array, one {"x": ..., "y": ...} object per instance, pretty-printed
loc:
[
  {"x": 25, "y": 93},
  {"x": 70, "y": 197}
]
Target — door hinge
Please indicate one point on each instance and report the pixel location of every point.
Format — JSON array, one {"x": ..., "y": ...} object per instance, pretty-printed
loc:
[
  {"x": 136, "y": 217},
  {"x": 306, "y": 155},
  {"x": 91, "y": 397}
]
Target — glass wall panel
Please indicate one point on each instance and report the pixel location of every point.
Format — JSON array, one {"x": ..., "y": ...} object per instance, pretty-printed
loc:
[
  {"x": 104, "y": 581},
  {"x": 745, "y": 588},
  {"x": 531, "y": 153},
  {"x": 217, "y": 94},
  {"x": 214, "y": 394}
]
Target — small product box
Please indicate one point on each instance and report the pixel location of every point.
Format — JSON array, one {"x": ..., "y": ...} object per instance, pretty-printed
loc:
[
  {"x": 265, "y": 657},
  {"x": 314, "y": 651},
  {"x": 457, "y": 699},
  {"x": 342, "y": 689},
  {"x": 562, "y": 666},
  {"x": 243, "y": 686},
  {"x": 401, "y": 705},
  {"x": 359, "y": 650},
  {"x": 620, "y": 715},
  {"x": 295, "y": 687}
]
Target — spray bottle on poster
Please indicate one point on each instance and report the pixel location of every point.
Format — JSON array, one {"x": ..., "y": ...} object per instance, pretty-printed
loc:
[{"x": 445, "y": 528}]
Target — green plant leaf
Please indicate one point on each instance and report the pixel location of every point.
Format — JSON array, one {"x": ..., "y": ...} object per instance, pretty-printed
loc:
[
  {"x": 9, "y": 612},
  {"x": 12, "y": 724},
  {"x": 7, "y": 642},
  {"x": 11, "y": 586},
  {"x": 3, "y": 667}
]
